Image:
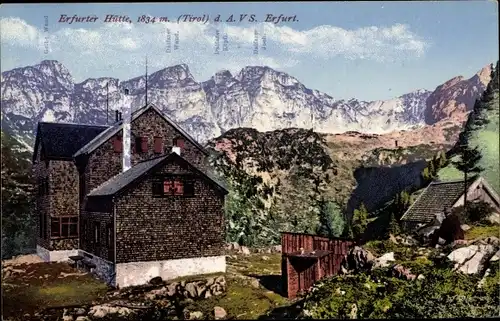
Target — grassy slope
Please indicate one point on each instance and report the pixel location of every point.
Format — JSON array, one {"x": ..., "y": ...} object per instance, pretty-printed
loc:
[
  {"x": 43, "y": 285},
  {"x": 253, "y": 288},
  {"x": 488, "y": 140}
]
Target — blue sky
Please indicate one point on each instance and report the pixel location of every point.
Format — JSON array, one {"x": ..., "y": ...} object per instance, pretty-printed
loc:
[{"x": 365, "y": 50}]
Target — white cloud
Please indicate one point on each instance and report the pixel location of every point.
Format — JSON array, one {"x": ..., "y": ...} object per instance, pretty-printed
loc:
[
  {"x": 17, "y": 31},
  {"x": 124, "y": 44}
]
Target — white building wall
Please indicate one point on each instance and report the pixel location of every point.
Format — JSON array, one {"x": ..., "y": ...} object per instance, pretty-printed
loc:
[
  {"x": 54, "y": 256},
  {"x": 137, "y": 273}
]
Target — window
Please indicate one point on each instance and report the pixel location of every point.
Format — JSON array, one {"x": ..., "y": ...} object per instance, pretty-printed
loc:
[
  {"x": 117, "y": 144},
  {"x": 45, "y": 229},
  {"x": 109, "y": 235},
  {"x": 43, "y": 186},
  {"x": 173, "y": 187},
  {"x": 179, "y": 142},
  {"x": 64, "y": 227},
  {"x": 141, "y": 144},
  {"x": 158, "y": 145},
  {"x": 97, "y": 232},
  {"x": 82, "y": 187},
  {"x": 41, "y": 221}
]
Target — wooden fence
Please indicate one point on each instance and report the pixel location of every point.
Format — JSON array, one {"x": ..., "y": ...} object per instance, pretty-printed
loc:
[{"x": 321, "y": 257}]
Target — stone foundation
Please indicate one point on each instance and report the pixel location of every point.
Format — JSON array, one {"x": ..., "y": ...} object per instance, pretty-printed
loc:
[
  {"x": 43, "y": 253},
  {"x": 104, "y": 269},
  {"x": 54, "y": 256},
  {"x": 137, "y": 273}
]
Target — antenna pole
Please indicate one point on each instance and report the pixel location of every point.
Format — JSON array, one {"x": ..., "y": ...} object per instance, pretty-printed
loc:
[
  {"x": 146, "y": 79},
  {"x": 107, "y": 103}
]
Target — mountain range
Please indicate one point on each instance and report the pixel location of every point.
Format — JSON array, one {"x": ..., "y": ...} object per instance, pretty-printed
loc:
[{"x": 257, "y": 97}]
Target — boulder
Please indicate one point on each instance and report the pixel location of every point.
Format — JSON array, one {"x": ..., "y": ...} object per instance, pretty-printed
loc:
[
  {"x": 221, "y": 280},
  {"x": 358, "y": 258},
  {"x": 471, "y": 259},
  {"x": 157, "y": 280},
  {"x": 265, "y": 258},
  {"x": 354, "y": 311},
  {"x": 400, "y": 271},
  {"x": 196, "y": 315},
  {"x": 384, "y": 260},
  {"x": 483, "y": 280},
  {"x": 191, "y": 290},
  {"x": 235, "y": 246},
  {"x": 427, "y": 231},
  {"x": 100, "y": 311},
  {"x": 219, "y": 313},
  {"x": 210, "y": 281},
  {"x": 458, "y": 243},
  {"x": 494, "y": 218},
  {"x": 459, "y": 256},
  {"x": 79, "y": 311},
  {"x": 473, "y": 266},
  {"x": 255, "y": 283},
  {"x": 493, "y": 240},
  {"x": 276, "y": 249},
  {"x": 495, "y": 257},
  {"x": 244, "y": 250},
  {"x": 465, "y": 227},
  {"x": 172, "y": 289},
  {"x": 409, "y": 241},
  {"x": 201, "y": 287}
]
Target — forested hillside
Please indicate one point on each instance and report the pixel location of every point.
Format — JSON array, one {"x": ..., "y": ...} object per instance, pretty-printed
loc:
[
  {"x": 483, "y": 133},
  {"x": 18, "y": 226}
]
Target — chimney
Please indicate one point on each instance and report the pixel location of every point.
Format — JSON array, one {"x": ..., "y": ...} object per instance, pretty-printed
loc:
[
  {"x": 117, "y": 115},
  {"x": 176, "y": 150},
  {"x": 126, "y": 130}
]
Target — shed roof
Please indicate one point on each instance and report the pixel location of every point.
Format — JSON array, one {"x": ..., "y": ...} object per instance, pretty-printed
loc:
[
  {"x": 434, "y": 199},
  {"x": 115, "y": 128},
  {"x": 62, "y": 140},
  {"x": 123, "y": 179}
]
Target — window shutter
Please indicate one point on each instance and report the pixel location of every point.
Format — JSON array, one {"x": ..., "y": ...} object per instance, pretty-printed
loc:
[
  {"x": 157, "y": 188},
  {"x": 158, "y": 148},
  {"x": 144, "y": 144},
  {"x": 117, "y": 144},
  {"x": 179, "y": 142},
  {"x": 189, "y": 188},
  {"x": 168, "y": 186},
  {"x": 178, "y": 187}
]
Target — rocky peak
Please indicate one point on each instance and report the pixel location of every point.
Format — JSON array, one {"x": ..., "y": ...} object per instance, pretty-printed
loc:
[
  {"x": 178, "y": 74},
  {"x": 222, "y": 77},
  {"x": 53, "y": 68},
  {"x": 456, "y": 96}
]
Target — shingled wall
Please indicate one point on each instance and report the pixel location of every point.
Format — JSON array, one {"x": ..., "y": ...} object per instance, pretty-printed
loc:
[{"x": 172, "y": 227}]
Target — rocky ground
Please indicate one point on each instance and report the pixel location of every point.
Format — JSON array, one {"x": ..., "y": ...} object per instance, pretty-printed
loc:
[{"x": 34, "y": 290}]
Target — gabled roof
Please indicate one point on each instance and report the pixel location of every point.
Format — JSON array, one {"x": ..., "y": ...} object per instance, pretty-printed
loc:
[
  {"x": 122, "y": 180},
  {"x": 62, "y": 140},
  {"x": 436, "y": 197},
  {"x": 115, "y": 128}
]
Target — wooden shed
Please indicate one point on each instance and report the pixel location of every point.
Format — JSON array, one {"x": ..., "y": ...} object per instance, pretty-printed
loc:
[{"x": 308, "y": 258}]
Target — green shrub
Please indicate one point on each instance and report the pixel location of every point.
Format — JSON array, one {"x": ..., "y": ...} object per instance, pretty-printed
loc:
[
  {"x": 476, "y": 212},
  {"x": 442, "y": 294}
]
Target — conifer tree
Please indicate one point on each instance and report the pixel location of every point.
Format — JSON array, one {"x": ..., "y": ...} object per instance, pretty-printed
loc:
[
  {"x": 393, "y": 227},
  {"x": 468, "y": 163},
  {"x": 360, "y": 220}
]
